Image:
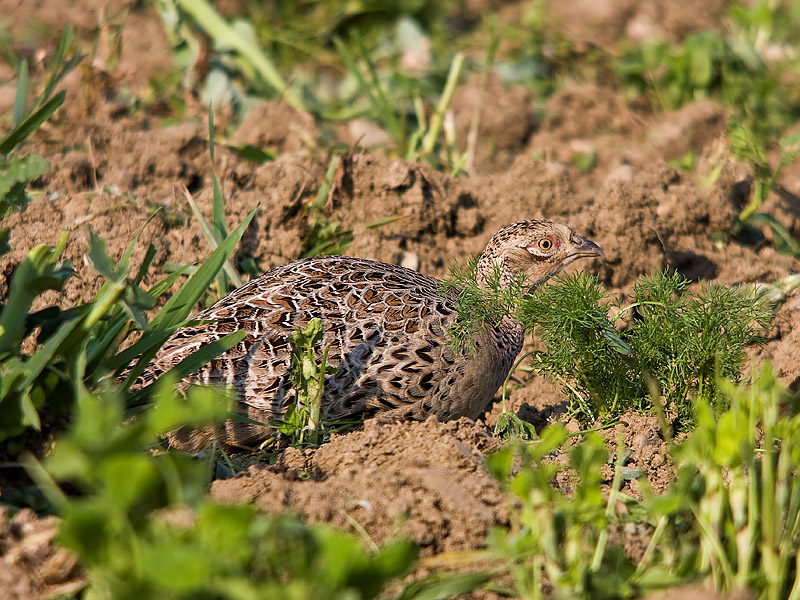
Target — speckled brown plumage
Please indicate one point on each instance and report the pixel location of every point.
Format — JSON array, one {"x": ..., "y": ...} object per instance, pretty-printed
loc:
[{"x": 387, "y": 327}]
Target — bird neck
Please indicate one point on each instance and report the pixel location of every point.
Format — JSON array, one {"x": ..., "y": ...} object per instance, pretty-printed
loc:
[{"x": 493, "y": 275}]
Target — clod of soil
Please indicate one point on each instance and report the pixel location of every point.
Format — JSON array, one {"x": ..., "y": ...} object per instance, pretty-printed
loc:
[{"x": 422, "y": 480}]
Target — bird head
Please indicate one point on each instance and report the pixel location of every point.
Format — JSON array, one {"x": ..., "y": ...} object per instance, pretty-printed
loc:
[{"x": 533, "y": 250}]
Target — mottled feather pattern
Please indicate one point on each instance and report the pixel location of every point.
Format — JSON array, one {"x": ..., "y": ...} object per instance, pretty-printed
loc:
[{"x": 387, "y": 327}]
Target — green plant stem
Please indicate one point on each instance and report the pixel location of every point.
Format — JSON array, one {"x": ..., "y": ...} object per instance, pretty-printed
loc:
[
  {"x": 769, "y": 525},
  {"x": 429, "y": 141},
  {"x": 602, "y": 538},
  {"x": 316, "y": 401},
  {"x": 716, "y": 551},
  {"x": 603, "y": 427},
  {"x": 650, "y": 551},
  {"x": 508, "y": 377}
]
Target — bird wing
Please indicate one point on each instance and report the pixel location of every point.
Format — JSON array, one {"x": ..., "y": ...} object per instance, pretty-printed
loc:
[{"x": 386, "y": 327}]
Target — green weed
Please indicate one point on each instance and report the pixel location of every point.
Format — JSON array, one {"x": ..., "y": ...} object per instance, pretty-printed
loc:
[
  {"x": 143, "y": 526},
  {"x": 17, "y": 172},
  {"x": 79, "y": 347},
  {"x": 745, "y": 146},
  {"x": 732, "y": 517},
  {"x": 559, "y": 542},
  {"x": 239, "y": 54},
  {"x": 729, "y": 65},
  {"x": 680, "y": 340},
  {"x": 301, "y": 423},
  {"x": 27, "y": 382},
  {"x": 684, "y": 341}
]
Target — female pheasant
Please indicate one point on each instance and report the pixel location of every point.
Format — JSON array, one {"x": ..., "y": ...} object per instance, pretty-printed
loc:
[{"x": 387, "y": 327}]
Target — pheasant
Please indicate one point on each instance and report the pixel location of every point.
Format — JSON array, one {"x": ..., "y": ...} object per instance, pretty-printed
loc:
[{"x": 387, "y": 327}]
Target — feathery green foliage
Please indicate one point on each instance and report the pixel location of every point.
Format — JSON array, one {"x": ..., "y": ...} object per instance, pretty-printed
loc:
[
  {"x": 582, "y": 349},
  {"x": 684, "y": 341},
  {"x": 478, "y": 306}
]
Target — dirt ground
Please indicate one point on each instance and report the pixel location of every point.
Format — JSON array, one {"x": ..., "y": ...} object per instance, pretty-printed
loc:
[{"x": 111, "y": 166}]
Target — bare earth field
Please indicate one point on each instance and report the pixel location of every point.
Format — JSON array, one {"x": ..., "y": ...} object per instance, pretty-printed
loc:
[{"x": 110, "y": 167}]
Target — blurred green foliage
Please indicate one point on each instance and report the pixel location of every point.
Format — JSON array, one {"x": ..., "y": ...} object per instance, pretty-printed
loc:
[
  {"x": 730, "y": 518},
  {"x": 143, "y": 526}
]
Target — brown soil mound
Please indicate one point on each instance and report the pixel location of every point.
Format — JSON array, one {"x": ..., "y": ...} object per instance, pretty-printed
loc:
[{"x": 425, "y": 481}]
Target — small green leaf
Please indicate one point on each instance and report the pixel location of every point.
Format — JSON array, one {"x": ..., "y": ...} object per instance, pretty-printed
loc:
[
  {"x": 254, "y": 154},
  {"x": 30, "y": 416},
  {"x": 551, "y": 438},
  {"x": 128, "y": 477},
  {"x": 499, "y": 463}
]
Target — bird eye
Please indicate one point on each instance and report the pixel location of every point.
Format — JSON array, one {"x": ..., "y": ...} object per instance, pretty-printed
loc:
[{"x": 545, "y": 244}]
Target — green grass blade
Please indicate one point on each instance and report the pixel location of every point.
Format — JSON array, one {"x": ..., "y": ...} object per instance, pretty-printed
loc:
[
  {"x": 220, "y": 231},
  {"x": 146, "y": 262},
  {"x": 187, "y": 366},
  {"x": 101, "y": 345},
  {"x": 783, "y": 239},
  {"x": 44, "y": 355},
  {"x": 122, "y": 264},
  {"x": 388, "y": 115},
  {"x": 166, "y": 283},
  {"x": 206, "y": 354},
  {"x": 218, "y": 212},
  {"x": 149, "y": 343},
  {"x": 21, "y": 99},
  {"x": 178, "y": 307},
  {"x": 211, "y": 238},
  {"x": 325, "y": 187},
  {"x": 183, "y": 302},
  {"x": 211, "y": 132},
  {"x": 60, "y": 68},
  {"x": 373, "y": 91},
  {"x": 429, "y": 141},
  {"x": 31, "y": 123},
  {"x": 385, "y": 221}
]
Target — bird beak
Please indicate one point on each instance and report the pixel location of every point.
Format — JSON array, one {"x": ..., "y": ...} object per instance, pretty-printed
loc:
[{"x": 584, "y": 248}]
